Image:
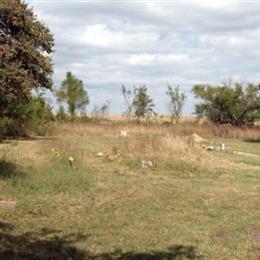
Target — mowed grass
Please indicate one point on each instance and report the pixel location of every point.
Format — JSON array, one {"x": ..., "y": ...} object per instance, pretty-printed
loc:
[{"x": 192, "y": 204}]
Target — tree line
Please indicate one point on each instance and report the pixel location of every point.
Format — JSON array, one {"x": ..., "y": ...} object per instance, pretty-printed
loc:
[
  {"x": 137, "y": 100},
  {"x": 227, "y": 103},
  {"x": 26, "y": 68}
]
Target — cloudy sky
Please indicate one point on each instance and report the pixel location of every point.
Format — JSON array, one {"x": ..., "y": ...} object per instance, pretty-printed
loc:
[{"x": 110, "y": 43}]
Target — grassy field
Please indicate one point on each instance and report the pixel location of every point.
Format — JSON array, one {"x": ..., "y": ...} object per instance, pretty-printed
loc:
[{"x": 191, "y": 204}]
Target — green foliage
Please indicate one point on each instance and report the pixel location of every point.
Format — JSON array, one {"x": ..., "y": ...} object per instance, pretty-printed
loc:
[
  {"x": 142, "y": 103},
  {"x": 236, "y": 105},
  {"x": 32, "y": 117},
  {"x": 73, "y": 93},
  {"x": 176, "y": 104},
  {"x": 25, "y": 49},
  {"x": 37, "y": 114},
  {"x": 9, "y": 126}
]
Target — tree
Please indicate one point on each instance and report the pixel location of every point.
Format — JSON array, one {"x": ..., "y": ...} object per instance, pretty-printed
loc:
[
  {"x": 26, "y": 46},
  {"x": 128, "y": 95},
  {"x": 142, "y": 102},
  {"x": 73, "y": 93},
  {"x": 176, "y": 104},
  {"x": 237, "y": 105}
]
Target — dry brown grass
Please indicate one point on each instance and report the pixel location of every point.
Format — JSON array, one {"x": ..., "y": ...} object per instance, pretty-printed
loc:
[
  {"x": 158, "y": 119},
  {"x": 157, "y": 143},
  {"x": 163, "y": 145},
  {"x": 182, "y": 129}
]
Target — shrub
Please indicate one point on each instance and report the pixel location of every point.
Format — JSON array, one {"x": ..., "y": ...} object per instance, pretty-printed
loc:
[
  {"x": 37, "y": 114},
  {"x": 30, "y": 118}
]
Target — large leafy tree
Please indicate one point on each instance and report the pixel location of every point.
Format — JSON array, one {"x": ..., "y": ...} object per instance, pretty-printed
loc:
[
  {"x": 142, "y": 103},
  {"x": 237, "y": 105},
  {"x": 26, "y": 46},
  {"x": 73, "y": 93}
]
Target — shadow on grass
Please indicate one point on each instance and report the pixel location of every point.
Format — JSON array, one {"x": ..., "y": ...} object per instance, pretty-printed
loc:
[
  {"x": 51, "y": 244},
  {"x": 45, "y": 244},
  {"x": 9, "y": 170},
  {"x": 174, "y": 252}
]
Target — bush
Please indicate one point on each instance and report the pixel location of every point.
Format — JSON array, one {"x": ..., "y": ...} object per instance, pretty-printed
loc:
[
  {"x": 236, "y": 104},
  {"x": 30, "y": 118},
  {"x": 37, "y": 114},
  {"x": 9, "y": 126}
]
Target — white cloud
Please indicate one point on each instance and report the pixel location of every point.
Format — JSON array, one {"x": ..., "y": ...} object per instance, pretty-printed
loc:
[
  {"x": 99, "y": 35},
  {"x": 220, "y": 4},
  {"x": 128, "y": 38},
  {"x": 140, "y": 59},
  {"x": 228, "y": 41}
]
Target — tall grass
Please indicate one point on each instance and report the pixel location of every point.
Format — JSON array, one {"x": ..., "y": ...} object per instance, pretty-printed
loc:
[
  {"x": 163, "y": 146},
  {"x": 182, "y": 129}
]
